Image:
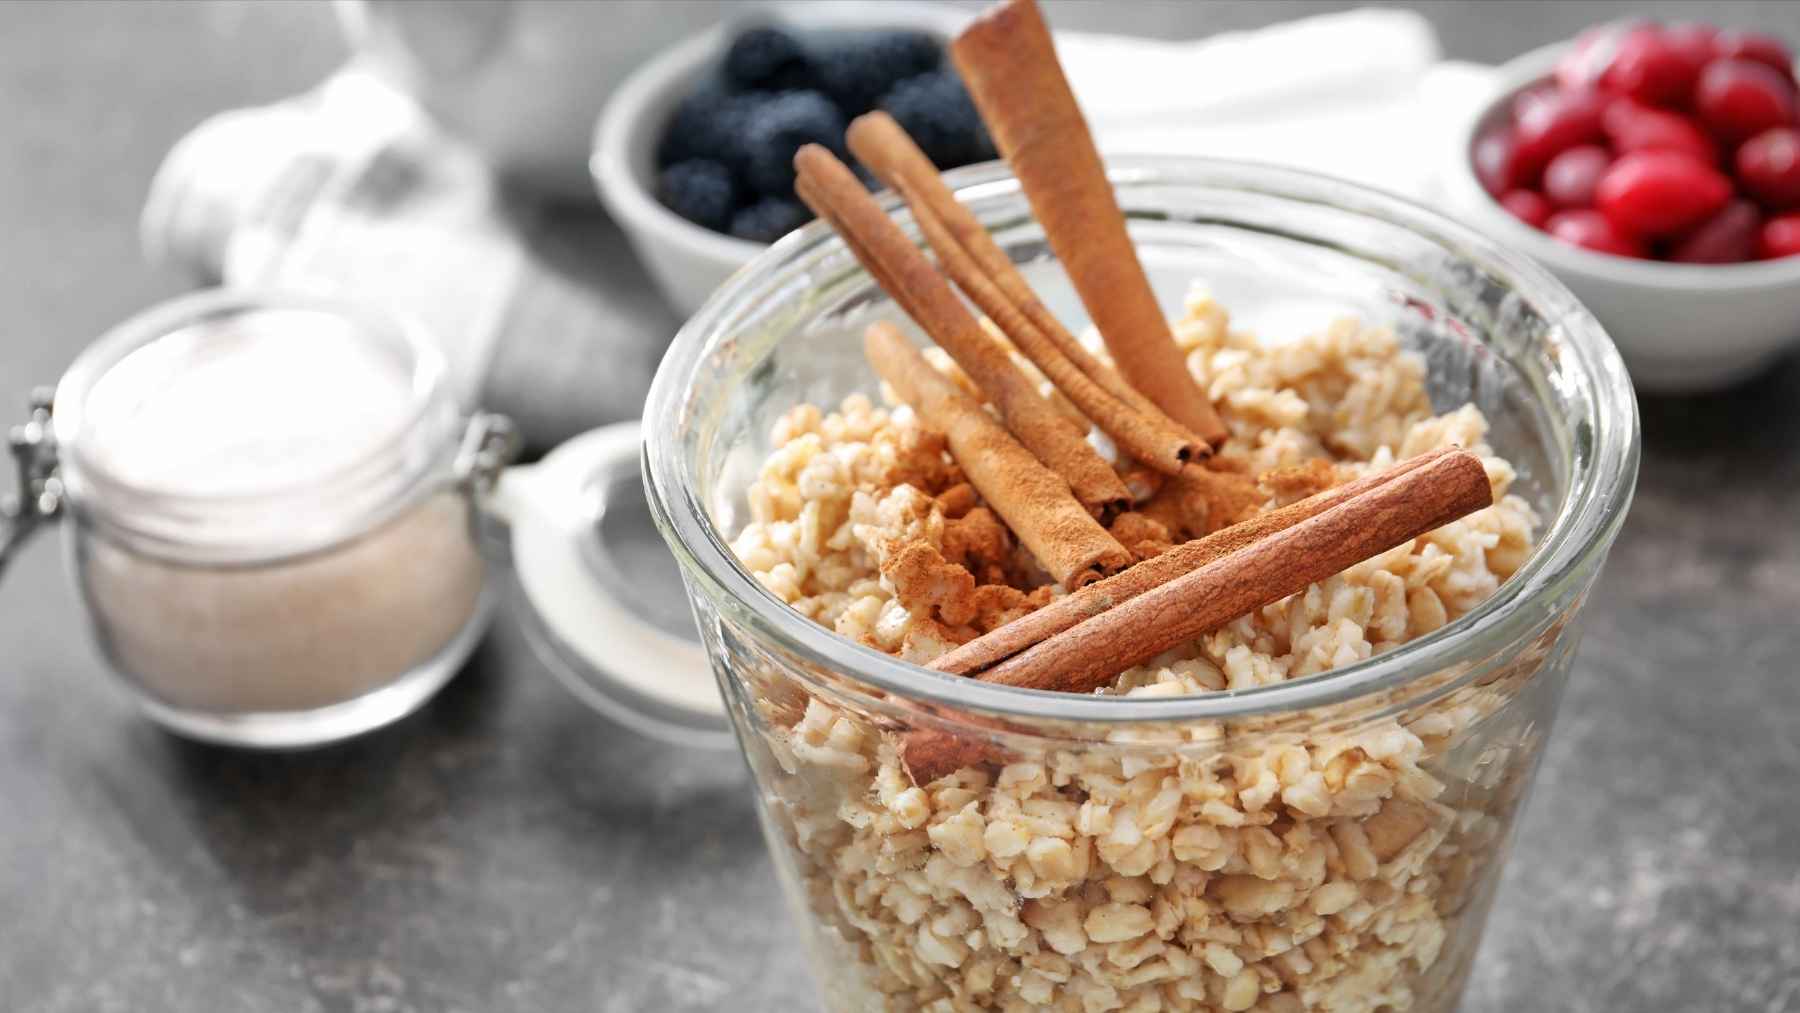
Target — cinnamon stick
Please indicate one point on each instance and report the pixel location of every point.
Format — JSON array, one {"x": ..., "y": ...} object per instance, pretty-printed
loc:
[
  {"x": 1434, "y": 491},
  {"x": 1065, "y": 612},
  {"x": 1033, "y": 501},
  {"x": 927, "y": 754},
  {"x": 886, "y": 155},
  {"x": 1085, "y": 656},
  {"x": 971, "y": 258},
  {"x": 835, "y": 194},
  {"x": 1009, "y": 63}
]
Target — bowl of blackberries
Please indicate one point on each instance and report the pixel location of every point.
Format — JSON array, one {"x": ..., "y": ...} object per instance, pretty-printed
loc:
[
  {"x": 694, "y": 152},
  {"x": 1655, "y": 168}
]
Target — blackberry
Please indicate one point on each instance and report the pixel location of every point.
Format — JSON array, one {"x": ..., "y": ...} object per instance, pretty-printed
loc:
[
  {"x": 700, "y": 190},
  {"x": 706, "y": 124},
  {"x": 768, "y": 59},
  {"x": 936, "y": 110},
  {"x": 776, "y": 128},
  {"x": 855, "y": 71},
  {"x": 769, "y": 219}
]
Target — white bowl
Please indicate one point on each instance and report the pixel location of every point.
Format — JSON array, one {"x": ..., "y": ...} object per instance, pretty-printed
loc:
[
  {"x": 1681, "y": 327},
  {"x": 689, "y": 261}
]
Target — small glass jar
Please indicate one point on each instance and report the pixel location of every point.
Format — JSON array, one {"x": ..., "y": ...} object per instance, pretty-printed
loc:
[
  {"x": 1172, "y": 891},
  {"x": 268, "y": 530},
  {"x": 285, "y": 532}
]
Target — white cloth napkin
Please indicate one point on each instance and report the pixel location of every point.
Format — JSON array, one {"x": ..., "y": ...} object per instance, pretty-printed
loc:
[{"x": 1362, "y": 95}]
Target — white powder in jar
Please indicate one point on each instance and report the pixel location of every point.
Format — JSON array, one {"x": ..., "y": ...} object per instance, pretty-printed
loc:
[
  {"x": 291, "y": 635},
  {"x": 259, "y": 402},
  {"x": 264, "y": 430}
]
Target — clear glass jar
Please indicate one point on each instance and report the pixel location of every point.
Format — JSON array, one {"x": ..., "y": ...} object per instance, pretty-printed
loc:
[
  {"x": 285, "y": 531},
  {"x": 295, "y": 568},
  {"x": 1375, "y": 899}
]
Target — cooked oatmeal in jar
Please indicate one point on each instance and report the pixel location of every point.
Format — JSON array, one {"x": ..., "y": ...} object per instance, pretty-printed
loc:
[
  {"x": 1164, "y": 668},
  {"x": 1319, "y": 871}
]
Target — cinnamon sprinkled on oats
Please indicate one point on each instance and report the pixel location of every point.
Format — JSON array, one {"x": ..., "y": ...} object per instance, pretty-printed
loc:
[{"x": 1035, "y": 501}]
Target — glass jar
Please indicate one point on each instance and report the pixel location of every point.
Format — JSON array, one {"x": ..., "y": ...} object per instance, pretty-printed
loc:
[
  {"x": 285, "y": 531},
  {"x": 267, "y": 528},
  {"x": 1173, "y": 891}
]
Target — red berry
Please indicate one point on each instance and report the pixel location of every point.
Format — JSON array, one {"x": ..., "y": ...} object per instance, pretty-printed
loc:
[
  {"x": 1656, "y": 193},
  {"x": 1581, "y": 66},
  {"x": 1768, "y": 165},
  {"x": 1764, "y": 49},
  {"x": 1591, "y": 231},
  {"x": 1780, "y": 237},
  {"x": 1570, "y": 178},
  {"x": 1527, "y": 206},
  {"x": 1693, "y": 40},
  {"x": 1496, "y": 158},
  {"x": 1649, "y": 68},
  {"x": 1548, "y": 123},
  {"x": 1740, "y": 98},
  {"x": 1726, "y": 238},
  {"x": 1632, "y": 126}
]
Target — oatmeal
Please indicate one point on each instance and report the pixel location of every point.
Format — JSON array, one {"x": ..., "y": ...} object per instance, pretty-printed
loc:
[
  {"x": 1165, "y": 510},
  {"x": 1329, "y": 868}
]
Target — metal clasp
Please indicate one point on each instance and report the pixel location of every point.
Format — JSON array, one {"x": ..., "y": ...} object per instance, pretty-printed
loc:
[
  {"x": 40, "y": 492},
  {"x": 490, "y": 443}
]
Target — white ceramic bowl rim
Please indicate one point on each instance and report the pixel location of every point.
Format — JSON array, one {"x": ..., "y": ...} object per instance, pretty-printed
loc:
[{"x": 1532, "y": 69}]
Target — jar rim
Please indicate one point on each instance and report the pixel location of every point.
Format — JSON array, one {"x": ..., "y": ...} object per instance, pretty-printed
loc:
[
  {"x": 367, "y": 486},
  {"x": 1571, "y": 548}
]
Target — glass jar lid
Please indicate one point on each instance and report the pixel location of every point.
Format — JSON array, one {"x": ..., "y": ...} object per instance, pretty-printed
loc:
[{"x": 597, "y": 595}]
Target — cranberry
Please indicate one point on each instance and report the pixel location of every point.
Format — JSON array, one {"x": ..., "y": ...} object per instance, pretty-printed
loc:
[
  {"x": 1693, "y": 40},
  {"x": 1548, "y": 123},
  {"x": 1581, "y": 66},
  {"x": 1632, "y": 126},
  {"x": 1527, "y": 206},
  {"x": 1590, "y": 230},
  {"x": 1768, "y": 165},
  {"x": 1496, "y": 158},
  {"x": 1739, "y": 98},
  {"x": 1780, "y": 237},
  {"x": 1650, "y": 68},
  {"x": 1570, "y": 178},
  {"x": 1655, "y": 193},
  {"x": 1763, "y": 49},
  {"x": 1726, "y": 238}
]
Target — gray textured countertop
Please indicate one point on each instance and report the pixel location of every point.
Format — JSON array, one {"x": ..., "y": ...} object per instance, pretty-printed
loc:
[{"x": 506, "y": 849}]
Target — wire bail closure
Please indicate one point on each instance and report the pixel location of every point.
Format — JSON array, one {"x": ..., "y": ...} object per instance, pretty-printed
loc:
[
  {"x": 490, "y": 443},
  {"x": 40, "y": 490}
]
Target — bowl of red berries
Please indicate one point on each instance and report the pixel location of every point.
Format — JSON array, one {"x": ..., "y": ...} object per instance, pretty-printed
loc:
[
  {"x": 1655, "y": 168},
  {"x": 694, "y": 151}
]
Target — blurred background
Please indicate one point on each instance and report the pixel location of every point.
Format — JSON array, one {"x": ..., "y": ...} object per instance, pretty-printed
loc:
[{"x": 503, "y": 850}]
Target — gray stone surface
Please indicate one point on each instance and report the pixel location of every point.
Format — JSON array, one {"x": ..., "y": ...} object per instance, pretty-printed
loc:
[{"x": 508, "y": 850}]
